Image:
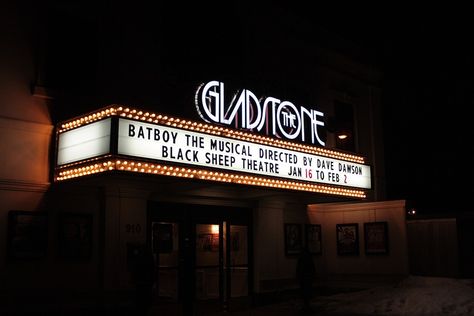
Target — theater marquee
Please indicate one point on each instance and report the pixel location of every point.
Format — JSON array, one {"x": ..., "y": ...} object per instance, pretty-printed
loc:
[{"x": 123, "y": 139}]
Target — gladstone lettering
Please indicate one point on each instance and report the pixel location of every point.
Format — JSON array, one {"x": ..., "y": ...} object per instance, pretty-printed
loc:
[{"x": 272, "y": 116}]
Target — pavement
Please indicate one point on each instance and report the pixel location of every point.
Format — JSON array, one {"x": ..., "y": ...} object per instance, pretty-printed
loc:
[
  {"x": 285, "y": 308},
  {"x": 275, "y": 305},
  {"x": 289, "y": 308},
  {"x": 292, "y": 307}
]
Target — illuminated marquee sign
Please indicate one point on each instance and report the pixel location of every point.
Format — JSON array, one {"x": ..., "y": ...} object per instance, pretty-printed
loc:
[
  {"x": 130, "y": 140},
  {"x": 278, "y": 118},
  {"x": 175, "y": 145},
  {"x": 84, "y": 142}
]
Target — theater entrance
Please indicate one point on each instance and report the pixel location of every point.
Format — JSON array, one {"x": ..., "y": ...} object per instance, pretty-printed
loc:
[{"x": 202, "y": 258}]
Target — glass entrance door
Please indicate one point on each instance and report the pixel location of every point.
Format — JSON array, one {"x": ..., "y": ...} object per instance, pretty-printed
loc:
[
  {"x": 238, "y": 263},
  {"x": 238, "y": 276},
  {"x": 189, "y": 267},
  {"x": 201, "y": 260},
  {"x": 165, "y": 243},
  {"x": 208, "y": 267}
]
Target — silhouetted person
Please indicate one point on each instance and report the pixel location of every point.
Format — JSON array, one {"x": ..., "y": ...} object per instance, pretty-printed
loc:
[
  {"x": 144, "y": 278},
  {"x": 188, "y": 278},
  {"x": 305, "y": 272}
]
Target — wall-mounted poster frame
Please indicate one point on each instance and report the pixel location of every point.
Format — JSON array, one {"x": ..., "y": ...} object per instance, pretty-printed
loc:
[
  {"x": 313, "y": 238},
  {"x": 27, "y": 235},
  {"x": 162, "y": 239},
  {"x": 208, "y": 242},
  {"x": 75, "y": 235},
  {"x": 376, "y": 238},
  {"x": 347, "y": 239},
  {"x": 293, "y": 239}
]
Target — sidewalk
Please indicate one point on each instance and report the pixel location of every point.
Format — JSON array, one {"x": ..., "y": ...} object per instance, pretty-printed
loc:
[
  {"x": 414, "y": 296},
  {"x": 291, "y": 307},
  {"x": 279, "y": 305},
  {"x": 285, "y": 308}
]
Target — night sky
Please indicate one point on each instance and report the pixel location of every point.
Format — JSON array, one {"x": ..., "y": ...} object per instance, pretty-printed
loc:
[
  {"x": 425, "y": 56},
  {"x": 428, "y": 95}
]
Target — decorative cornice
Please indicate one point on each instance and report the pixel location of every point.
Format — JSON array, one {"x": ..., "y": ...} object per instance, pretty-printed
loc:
[
  {"x": 25, "y": 126},
  {"x": 25, "y": 186},
  {"x": 343, "y": 207}
]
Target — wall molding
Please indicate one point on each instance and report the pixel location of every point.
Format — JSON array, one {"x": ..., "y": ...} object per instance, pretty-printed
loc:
[
  {"x": 25, "y": 186},
  {"x": 25, "y": 126},
  {"x": 344, "y": 207}
]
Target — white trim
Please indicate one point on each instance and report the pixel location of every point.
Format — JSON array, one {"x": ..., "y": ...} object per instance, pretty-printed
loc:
[
  {"x": 26, "y": 186},
  {"x": 345, "y": 206},
  {"x": 25, "y": 126},
  {"x": 431, "y": 220}
]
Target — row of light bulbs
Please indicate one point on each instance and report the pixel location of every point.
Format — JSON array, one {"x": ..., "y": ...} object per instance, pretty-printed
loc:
[
  {"x": 166, "y": 170},
  {"x": 126, "y": 112}
]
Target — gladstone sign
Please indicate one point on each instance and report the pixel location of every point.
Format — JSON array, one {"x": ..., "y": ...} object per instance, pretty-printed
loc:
[{"x": 272, "y": 116}]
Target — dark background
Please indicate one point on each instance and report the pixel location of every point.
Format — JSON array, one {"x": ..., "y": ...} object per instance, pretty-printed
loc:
[
  {"x": 426, "y": 57},
  {"x": 427, "y": 99},
  {"x": 424, "y": 54}
]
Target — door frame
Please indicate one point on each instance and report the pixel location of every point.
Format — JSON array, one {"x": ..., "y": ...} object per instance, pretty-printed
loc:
[{"x": 187, "y": 215}]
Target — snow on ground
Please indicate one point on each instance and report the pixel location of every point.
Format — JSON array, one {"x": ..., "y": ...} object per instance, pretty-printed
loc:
[{"x": 413, "y": 296}]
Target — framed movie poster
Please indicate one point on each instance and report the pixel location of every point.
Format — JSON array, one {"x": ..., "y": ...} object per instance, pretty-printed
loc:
[
  {"x": 313, "y": 238},
  {"x": 27, "y": 235},
  {"x": 75, "y": 235},
  {"x": 347, "y": 239},
  {"x": 376, "y": 238},
  {"x": 235, "y": 241},
  {"x": 208, "y": 242},
  {"x": 162, "y": 237},
  {"x": 293, "y": 239}
]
